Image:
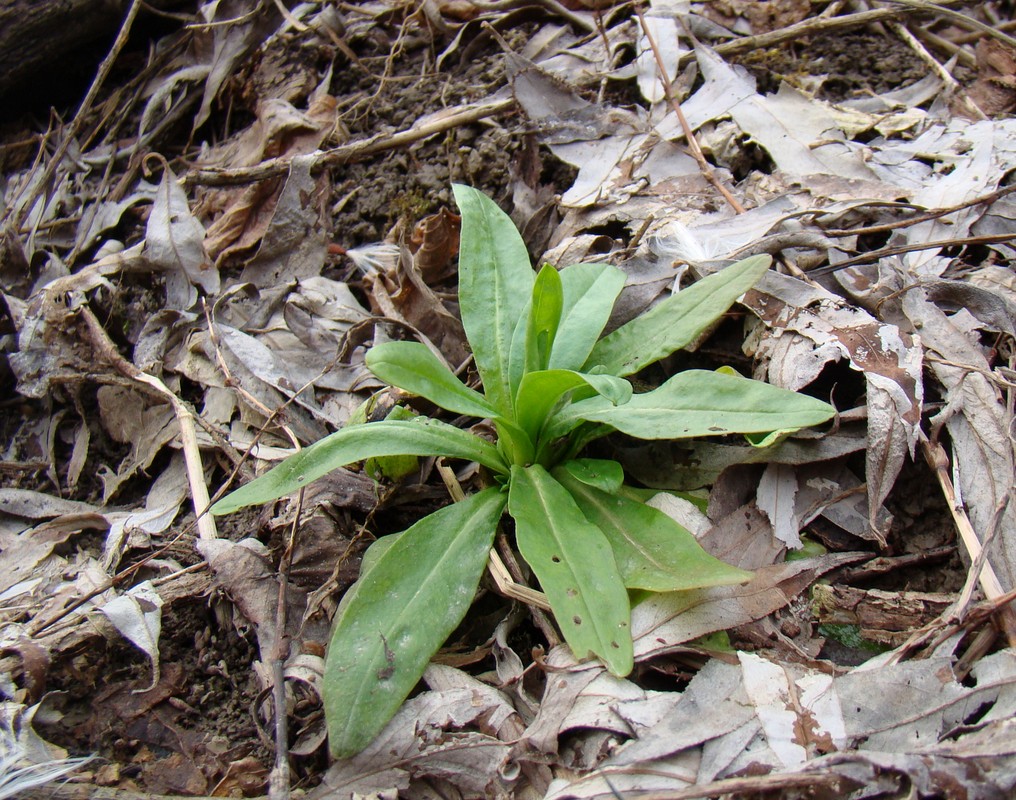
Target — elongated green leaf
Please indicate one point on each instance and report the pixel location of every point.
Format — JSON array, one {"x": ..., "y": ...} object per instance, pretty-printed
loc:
[
  {"x": 417, "y": 437},
  {"x": 495, "y": 282},
  {"x": 576, "y": 568},
  {"x": 676, "y": 321},
  {"x": 590, "y": 291},
  {"x": 601, "y": 473},
  {"x": 544, "y": 318},
  {"x": 700, "y": 403},
  {"x": 398, "y": 615},
  {"x": 517, "y": 353},
  {"x": 370, "y": 557},
  {"x": 514, "y": 442},
  {"x": 394, "y": 468},
  {"x": 652, "y": 550},
  {"x": 413, "y": 367},
  {"x": 541, "y": 391}
]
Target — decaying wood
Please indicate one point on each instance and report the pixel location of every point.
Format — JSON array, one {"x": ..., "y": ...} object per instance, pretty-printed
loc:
[{"x": 884, "y": 617}]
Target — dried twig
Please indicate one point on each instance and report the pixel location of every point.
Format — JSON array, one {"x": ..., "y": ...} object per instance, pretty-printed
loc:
[
  {"x": 935, "y": 213},
  {"x": 874, "y": 255},
  {"x": 816, "y": 26},
  {"x": 106, "y": 350},
  {"x": 280, "y": 777},
  {"x": 352, "y": 151},
  {"x": 936, "y": 457},
  {"x": 693, "y": 146},
  {"x": 961, "y": 19}
]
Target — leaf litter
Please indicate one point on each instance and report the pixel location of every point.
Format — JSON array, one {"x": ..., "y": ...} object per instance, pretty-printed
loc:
[{"x": 190, "y": 282}]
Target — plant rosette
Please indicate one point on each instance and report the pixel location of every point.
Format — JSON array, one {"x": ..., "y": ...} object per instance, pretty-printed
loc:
[{"x": 552, "y": 383}]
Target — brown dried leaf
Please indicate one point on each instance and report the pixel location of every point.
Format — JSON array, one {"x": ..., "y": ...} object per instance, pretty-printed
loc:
[
  {"x": 994, "y": 91},
  {"x": 245, "y": 214},
  {"x": 434, "y": 243}
]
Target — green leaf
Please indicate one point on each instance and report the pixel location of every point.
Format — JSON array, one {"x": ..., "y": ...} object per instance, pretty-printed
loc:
[
  {"x": 417, "y": 437},
  {"x": 495, "y": 283},
  {"x": 700, "y": 403},
  {"x": 603, "y": 474},
  {"x": 541, "y": 391},
  {"x": 575, "y": 566},
  {"x": 675, "y": 322},
  {"x": 394, "y": 468},
  {"x": 514, "y": 442},
  {"x": 413, "y": 367},
  {"x": 652, "y": 550},
  {"x": 544, "y": 318},
  {"x": 398, "y": 615},
  {"x": 371, "y": 556},
  {"x": 589, "y": 294}
]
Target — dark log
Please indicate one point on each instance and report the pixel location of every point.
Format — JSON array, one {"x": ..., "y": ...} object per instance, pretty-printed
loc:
[{"x": 40, "y": 40}]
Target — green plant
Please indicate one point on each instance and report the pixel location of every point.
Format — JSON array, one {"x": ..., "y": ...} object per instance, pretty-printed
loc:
[{"x": 551, "y": 385}]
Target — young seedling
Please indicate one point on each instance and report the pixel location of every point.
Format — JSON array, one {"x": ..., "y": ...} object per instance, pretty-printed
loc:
[{"x": 551, "y": 385}]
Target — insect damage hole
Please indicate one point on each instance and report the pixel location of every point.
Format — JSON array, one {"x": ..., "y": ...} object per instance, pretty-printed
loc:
[
  {"x": 577, "y": 619},
  {"x": 556, "y": 559}
]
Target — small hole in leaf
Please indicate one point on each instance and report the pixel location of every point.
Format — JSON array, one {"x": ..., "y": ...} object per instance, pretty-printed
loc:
[
  {"x": 571, "y": 592},
  {"x": 300, "y": 479},
  {"x": 556, "y": 559},
  {"x": 615, "y": 645},
  {"x": 623, "y": 624},
  {"x": 577, "y": 619}
]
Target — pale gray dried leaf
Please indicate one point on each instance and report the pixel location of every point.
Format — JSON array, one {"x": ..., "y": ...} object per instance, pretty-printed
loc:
[
  {"x": 902, "y": 716},
  {"x": 162, "y": 504},
  {"x": 426, "y": 739},
  {"x": 241, "y": 33},
  {"x": 662, "y": 24},
  {"x": 40, "y": 505},
  {"x": 500, "y": 718},
  {"x": 100, "y": 217},
  {"x": 974, "y": 156},
  {"x": 129, "y": 418},
  {"x": 713, "y": 704},
  {"x": 613, "y": 704},
  {"x": 684, "y": 465},
  {"x": 797, "y": 134},
  {"x": 294, "y": 245},
  {"x": 161, "y": 100},
  {"x": 979, "y": 766},
  {"x": 137, "y": 614},
  {"x": 22, "y": 554},
  {"x": 666, "y": 777},
  {"x": 249, "y": 356},
  {"x": 831, "y": 490},
  {"x": 174, "y": 243},
  {"x": 666, "y": 621},
  {"x": 777, "y": 493},
  {"x": 991, "y": 306},
  {"x": 568, "y": 681},
  {"x": 977, "y": 421},
  {"x": 890, "y": 359}
]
